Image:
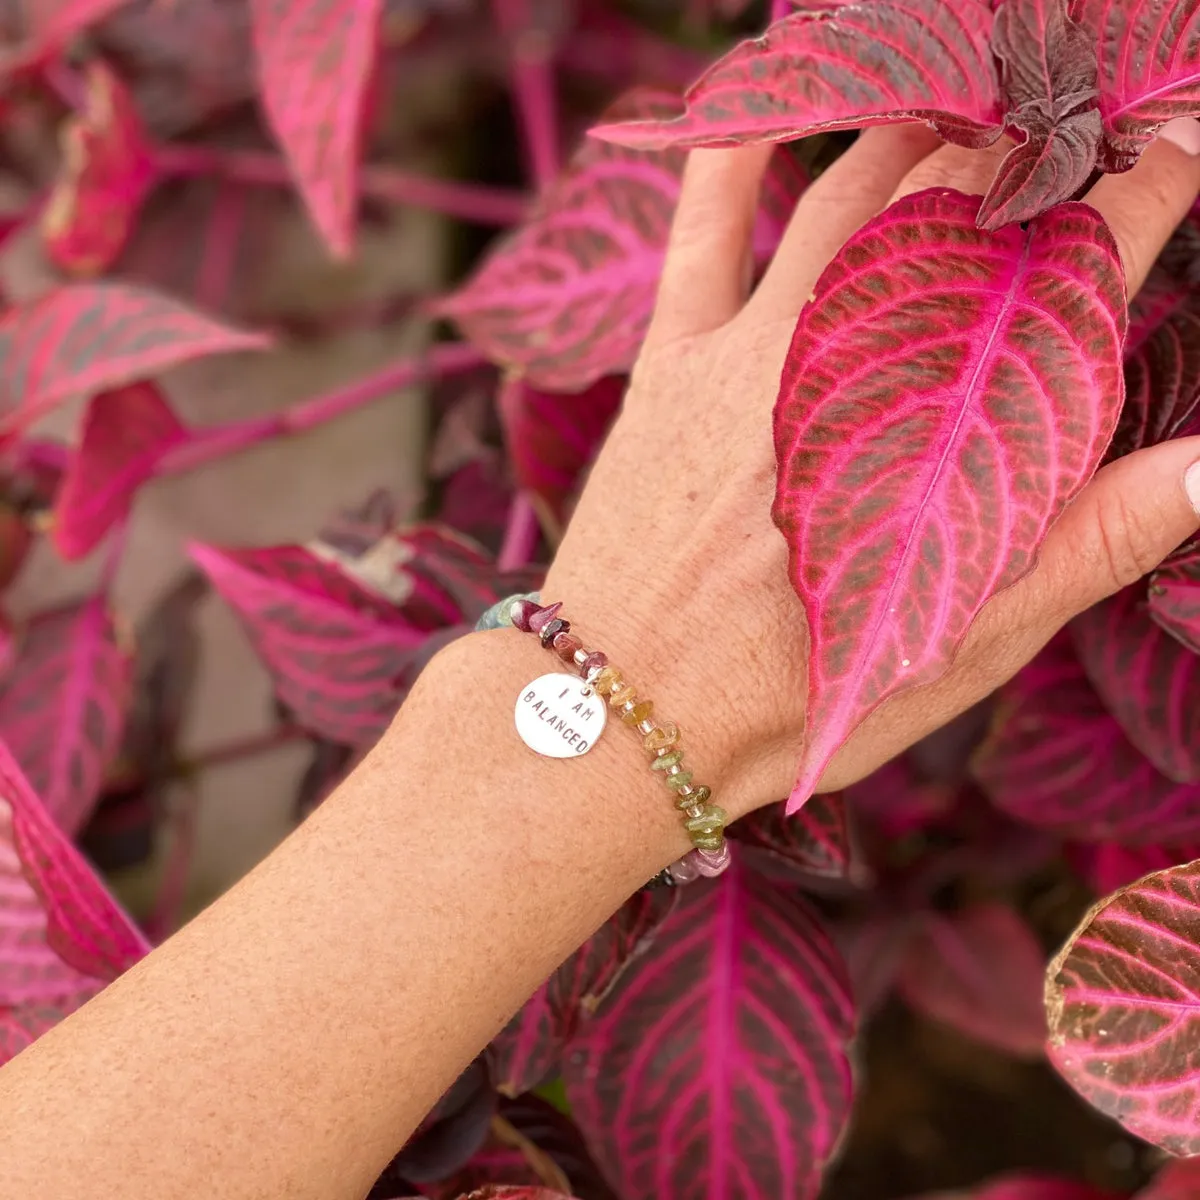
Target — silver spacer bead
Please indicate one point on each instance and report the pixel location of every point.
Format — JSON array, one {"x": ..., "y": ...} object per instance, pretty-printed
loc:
[
  {"x": 695, "y": 811},
  {"x": 580, "y": 657},
  {"x": 677, "y": 769},
  {"x": 645, "y": 727}
]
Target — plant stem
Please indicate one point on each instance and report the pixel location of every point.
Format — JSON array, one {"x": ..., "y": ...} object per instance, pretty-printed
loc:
[
  {"x": 521, "y": 536},
  {"x": 172, "y": 891},
  {"x": 533, "y": 87},
  {"x": 221, "y": 246},
  {"x": 453, "y": 358},
  {"x": 469, "y": 202}
]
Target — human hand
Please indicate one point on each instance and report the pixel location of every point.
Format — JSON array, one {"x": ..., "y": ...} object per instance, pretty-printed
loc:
[{"x": 671, "y": 563}]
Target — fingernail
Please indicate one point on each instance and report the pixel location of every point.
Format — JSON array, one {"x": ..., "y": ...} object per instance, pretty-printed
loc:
[
  {"x": 1183, "y": 132},
  {"x": 1191, "y": 481}
]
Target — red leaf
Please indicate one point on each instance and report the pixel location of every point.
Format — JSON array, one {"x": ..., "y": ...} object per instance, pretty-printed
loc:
[
  {"x": 815, "y": 841},
  {"x": 63, "y": 706},
  {"x": 1109, "y": 866},
  {"x": 980, "y": 972},
  {"x": 566, "y": 299},
  {"x": 1147, "y": 680},
  {"x": 552, "y": 439},
  {"x": 126, "y": 434},
  {"x": 1149, "y": 69},
  {"x": 718, "y": 1066},
  {"x": 844, "y": 68},
  {"x": 947, "y": 393},
  {"x": 108, "y": 170},
  {"x": 1123, "y": 1000},
  {"x": 1058, "y": 760},
  {"x": 62, "y": 937},
  {"x": 96, "y": 336},
  {"x": 1175, "y": 1181},
  {"x": 1175, "y": 596},
  {"x": 315, "y": 61}
]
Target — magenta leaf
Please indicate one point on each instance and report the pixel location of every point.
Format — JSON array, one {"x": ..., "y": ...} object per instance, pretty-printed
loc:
[
  {"x": 1058, "y": 760},
  {"x": 126, "y": 433},
  {"x": 1123, "y": 1002},
  {"x": 980, "y": 972},
  {"x": 513, "y": 1193},
  {"x": 1149, "y": 56},
  {"x": 1110, "y": 866},
  {"x": 553, "y": 439},
  {"x": 63, "y": 706},
  {"x": 62, "y": 937},
  {"x": 1175, "y": 1181},
  {"x": 92, "y": 337},
  {"x": 841, "y": 68},
  {"x": 1049, "y": 82},
  {"x": 1174, "y": 599},
  {"x": 1147, "y": 680},
  {"x": 107, "y": 172},
  {"x": 315, "y": 62},
  {"x": 566, "y": 299},
  {"x": 930, "y": 430},
  {"x": 718, "y": 1064},
  {"x": 813, "y": 842}
]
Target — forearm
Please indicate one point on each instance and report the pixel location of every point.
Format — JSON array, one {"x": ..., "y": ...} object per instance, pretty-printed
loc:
[{"x": 289, "y": 1039}]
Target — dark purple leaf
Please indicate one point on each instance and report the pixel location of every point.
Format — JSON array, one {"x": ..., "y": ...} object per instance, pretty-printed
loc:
[
  {"x": 1174, "y": 597},
  {"x": 1147, "y": 680},
  {"x": 1149, "y": 53},
  {"x": 872, "y": 947},
  {"x": 509, "y": 1157},
  {"x": 814, "y": 841},
  {"x": 1123, "y": 1002},
  {"x": 63, "y": 706},
  {"x": 718, "y": 1065},
  {"x": 1027, "y": 1187},
  {"x": 843, "y": 68},
  {"x": 980, "y": 972},
  {"x": 566, "y": 299},
  {"x": 930, "y": 431},
  {"x": 557, "y": 1136},
  {"x": 1175, "y": 1181},
  {"x": 1058, "y": 760},
  {"x": 126, "y": 434}
]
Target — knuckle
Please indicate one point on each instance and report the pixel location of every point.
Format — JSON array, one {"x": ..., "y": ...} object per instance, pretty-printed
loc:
[{"x": 1125, "y": 543}]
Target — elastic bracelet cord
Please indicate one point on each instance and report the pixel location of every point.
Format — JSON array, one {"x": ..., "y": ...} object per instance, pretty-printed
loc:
[{"x": 704, "y": 822}]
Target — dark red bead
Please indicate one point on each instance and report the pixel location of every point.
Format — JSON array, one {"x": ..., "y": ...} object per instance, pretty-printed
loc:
[
  {"x": 543, "y": 617},
  {"x": 552, "y": 629},
  {"x": 522, "y": 612}
]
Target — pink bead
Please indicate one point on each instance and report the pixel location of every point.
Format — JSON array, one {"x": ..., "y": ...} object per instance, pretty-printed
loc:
[
  {"x": 594, "y": 662},
  {"x": 711, "y": 863},
  {"x": 542, "y": 618},
  {"x": 521, "y": 612},
  {"x": 685, "y": 871}
]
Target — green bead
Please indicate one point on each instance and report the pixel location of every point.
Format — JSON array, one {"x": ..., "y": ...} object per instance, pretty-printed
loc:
[
  {"x": 680, "y": 780},
  {"x": 690, "y": 801},
  {"x": 708, "y": 841},
  {"x": 701, "y": 794},
  {"x": 711, "y": 820},
  {"x": 673, "y": 759}
]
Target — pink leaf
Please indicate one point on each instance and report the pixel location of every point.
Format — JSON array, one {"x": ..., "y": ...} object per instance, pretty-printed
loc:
[
  {"x": 92, "y": 337},
  {"x": 62, "y": 937},
  {"x": 718, "y": 1065},
  {"x": 1109, "y": 866},
  {"x": 126, "y": 433},
  {"x": 1058, "y": 760},
  {"x": 814, "y": 842},
  {"x": 980, "y": 972},
  {"x": 1175, "y": 1181},
  {"x": 947, "y": 393},
  {"x": 1147, "y": 680},
  {"x": 107, "y": 172},
  {"x": 316, "y": 60},
  {"x": 1149, "y": 53},
  {"x": 566, "y": 299},
  {"x": 844, "y": 68},
  {"x": 1123, "y": 1001},
  {"x": 553, "y": 439},
  {"x": 63, "y": 706}
]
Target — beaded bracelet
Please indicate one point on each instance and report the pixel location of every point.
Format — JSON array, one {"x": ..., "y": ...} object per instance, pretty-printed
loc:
[{"x": 550, "y": 724}]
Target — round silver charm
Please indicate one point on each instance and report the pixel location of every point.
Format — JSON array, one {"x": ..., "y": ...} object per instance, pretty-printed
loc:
[{"x": 559, "y": 716}]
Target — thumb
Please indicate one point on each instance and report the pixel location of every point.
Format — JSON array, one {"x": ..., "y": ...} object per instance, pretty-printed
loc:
[{"x": 1132, "y": 515}]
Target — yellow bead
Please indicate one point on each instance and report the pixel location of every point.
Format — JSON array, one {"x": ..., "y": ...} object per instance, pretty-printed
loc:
[
  {"x": 641, "y": 712},
  {"x": 708, "y": 841},
  {"x": 608, "y": 680},
  {"x": 661, "y": 739},
  {"x": 622, "y": 695}
]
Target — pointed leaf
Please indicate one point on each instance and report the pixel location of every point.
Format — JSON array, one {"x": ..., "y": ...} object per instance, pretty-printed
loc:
[
  {"x": 126, "y": 434},
  {"x": 1147, "y": 680},
  {"x": 1123, "y": 1001},
  {"x": 844, "y": 68},
  {"x": 980, "y": 972},
  {"x": 107, "y": 172},
  {"x": 63, "y": 706},
  {"x": 1149, "y": 55},
  {"x": 929, "y": 431},
  {"x": 566, "y": 299},
  {"x": 315, "y": 64},
  {"x": 815, "y": 841},
  {"x": 1174, "y": 598},
  {"x": 91, "y": 337},
  {"x": 553, "y": 439},
  {"x": 1058, "y": 760},
  {"x": 718, "y": 1066}
]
